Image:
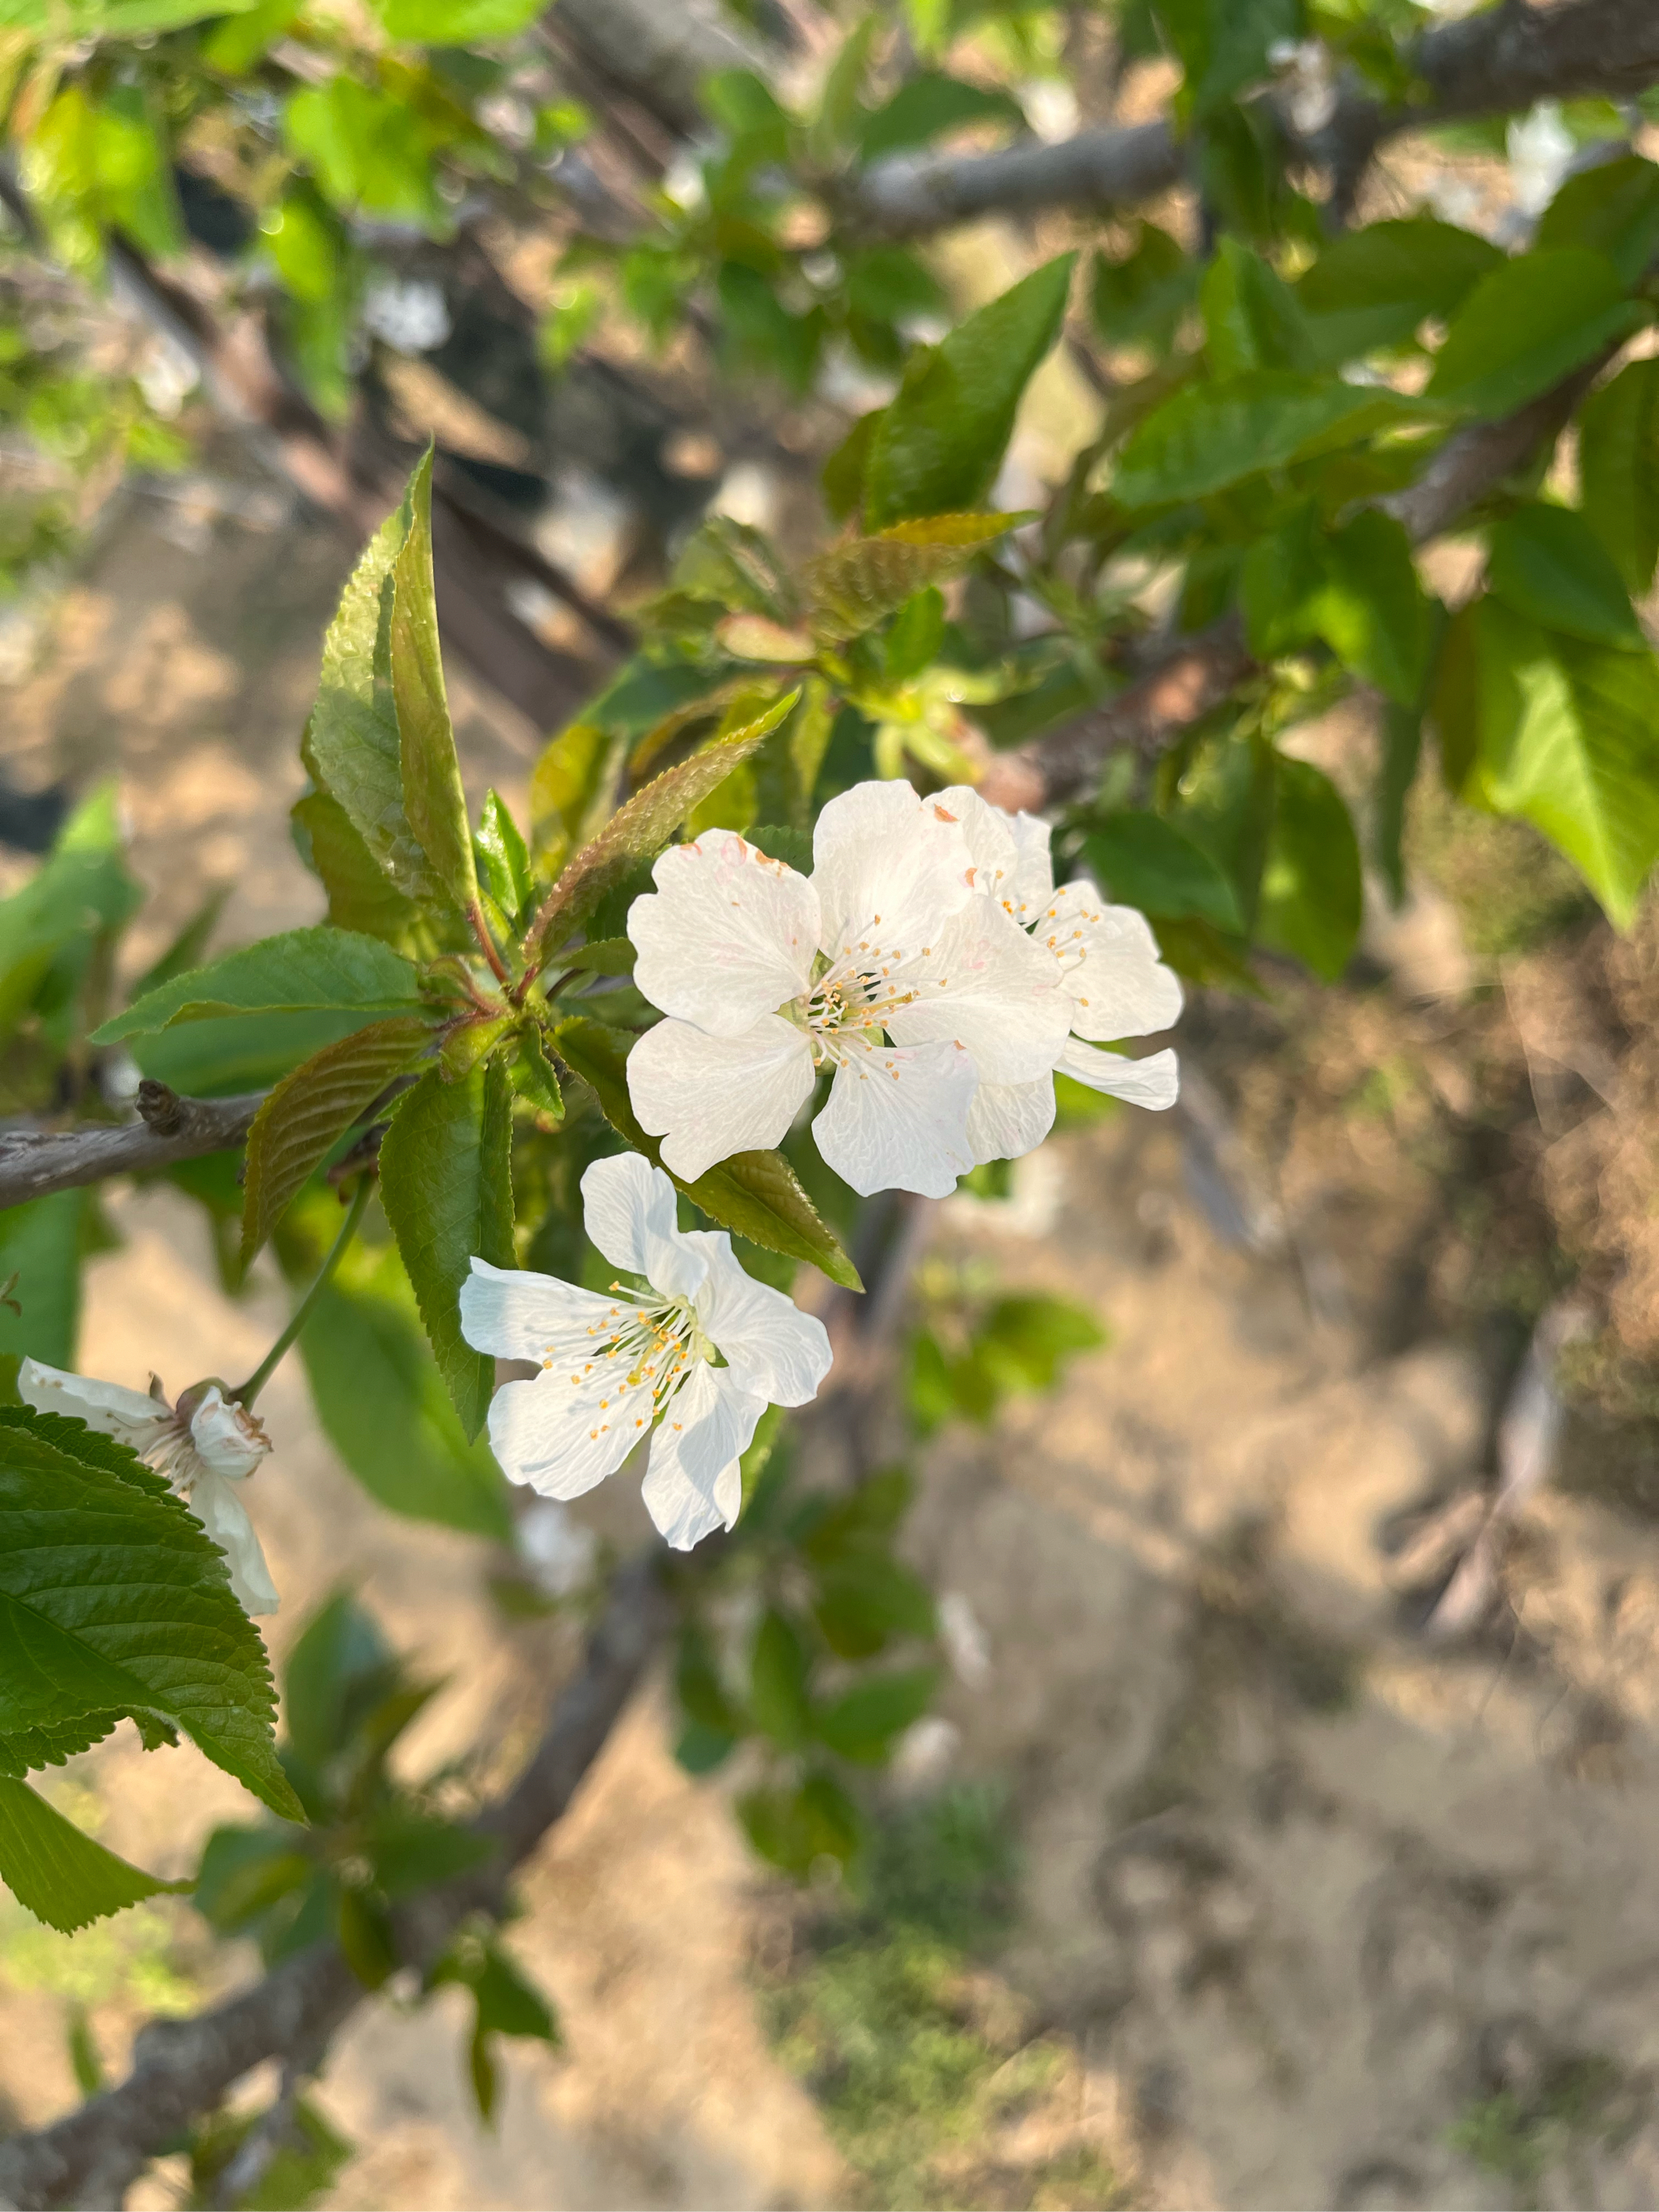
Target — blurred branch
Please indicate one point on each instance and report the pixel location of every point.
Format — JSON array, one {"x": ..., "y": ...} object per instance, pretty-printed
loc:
[
  {"x": 1505, "y": 59},
  {"x": 183, "y": 2067},
  {"x": 1197, "y": 675},
  {"x": 660, "y": 51},
  {"x": 35, "y": 1162}
]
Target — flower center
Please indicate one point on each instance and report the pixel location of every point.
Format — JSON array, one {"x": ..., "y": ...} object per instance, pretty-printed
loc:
[
  {"x": 640, "y": 1356},
  {"x": 844, "y": 1011}
]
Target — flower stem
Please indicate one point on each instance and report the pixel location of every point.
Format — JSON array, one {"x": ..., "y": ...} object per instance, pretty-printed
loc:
[{"x": 263, "y": 1373}]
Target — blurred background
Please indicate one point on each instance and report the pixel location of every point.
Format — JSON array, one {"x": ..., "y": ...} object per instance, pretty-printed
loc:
[{"x": 1284, "y": 1832}]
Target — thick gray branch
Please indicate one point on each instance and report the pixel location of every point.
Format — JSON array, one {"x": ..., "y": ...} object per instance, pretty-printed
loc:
[
  {"x": 33, "y": 1161},
  {"x": 183, "y": 2067},
  {"x": 1488, "y": 65},
  {"x": 659, "y": 50}
]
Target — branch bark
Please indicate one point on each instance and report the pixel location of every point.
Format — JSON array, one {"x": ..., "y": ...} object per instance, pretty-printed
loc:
[
  {"x": 1502, "y": 59},
  {"x": 183, "y": 2067},
  {"x": 35, "y": 1162},
  {"x": 1198, "y": 674}
]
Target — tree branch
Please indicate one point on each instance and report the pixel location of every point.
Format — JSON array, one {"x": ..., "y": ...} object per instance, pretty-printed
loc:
[
  {"x": 184, "y": 2068},
  {"x": 35, "y": 1162},
  {"x": 1502, "y": 59},
  {"x": 1199, "y": 672}
]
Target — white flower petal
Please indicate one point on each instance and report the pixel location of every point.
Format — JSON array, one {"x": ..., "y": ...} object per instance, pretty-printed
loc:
[
  {"x": 1008, "y": 1120},
  {"x": 518, "y": 1314},
  {"x": 988, "y": 988},
  {"x": 1011, "y": 852},
  {"x": 561, "y": 1439},
  {"x": 228, "y": 1440},
  {"x": 728, "y": 935},
  {"x": 1119, "y": 984},
  {"x": 772, "y": 1350},
  {"x": 130, "y": 1415},
  {"x": 694, "y": 1483},
  {"x": 1153, "y": 1082},
  {"x": 1034, "y": 868},
  {"x": 898, "y": 1119},
  {"x": 707, "y": 1098},
  {"x": 629, "y": 1209},
  {"x": 215, "y": 1504},
  {"x": 888, "y": 862}
]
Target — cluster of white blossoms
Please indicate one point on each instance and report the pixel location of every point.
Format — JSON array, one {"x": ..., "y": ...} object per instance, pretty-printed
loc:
[
  {"x": 204, "y": 1446},
  {"x": 688, "y": 1354},
  {"x": 927, "y": 960}
]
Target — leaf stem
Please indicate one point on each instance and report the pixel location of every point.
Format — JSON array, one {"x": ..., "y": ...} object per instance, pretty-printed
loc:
[
  {"x": 263, "y": 1373},
  {"x": 486, "y": 944}
]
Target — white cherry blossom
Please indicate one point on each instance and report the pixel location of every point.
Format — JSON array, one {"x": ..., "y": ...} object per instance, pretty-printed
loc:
[
  {"x": 690, "y": 1360},
  {"x": 205, "y": 1447},
  {"x": 1114, "y": 982},
  {"x": 883, "y": 965}
]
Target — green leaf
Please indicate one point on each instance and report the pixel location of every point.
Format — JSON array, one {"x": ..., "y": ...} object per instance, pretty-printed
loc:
[
  {"x": 48, "y": 927},
  {"x": 856, "y": 582},
  {"x": 61, "y": 1875},
  {"x": 1527, "y": 325},
  {"x": 865, "y": 1599},
  {"x": 567, "y": 788},
  {"x": 777, "y": 1681},
  {"x": 735, "y": 566},
  {"x": 1402, "y": 746},
  {"x": 1251, "y": 316},
  {"x": 1613, "y": 208},
  {"x": 40, "y": 1244},
  {"x": 1548, "y": 564},
  {"x": 641, "y": 828},
  {"x": 297, "y": 1125},
  {"x": 927, "y": 105},
  {"x": 1310, "y": 885},
  {"x": 937, "y": 445},
  {"x": 794, "y": 1829},
  {"x": 432, "y": 797},
  {"x": 1146, "y": 862},
  {"x": 1144, "y": 296},
  {"x": 185, "y": 951},
  {"x": 351, "y": 746},
  {"x": 1568, "y": 737},
  {"x": 505, "y": 856},
  {"x": 455, "y": 22},
  {"x": 754, "y": 1194},
  {"x": 380, "y": 1397},
  {"x": 1211, "y": 436},
  {"x": 445, "y": 1186},
  {"x": 74, "y": 20},
  {"x": 106, "y": 1573},
  {"x": 360, "y": 896},
  {"x": 862, "y": 1723},
  {"x": 1355, "y": 588},
  {"x": 1619, "y": 470},
  {"x": 300, "y": 969},
  {"x": 1375, "y": 287},
  {"x": 227, "y": 1053},
  {"x": 1223, "y": 46}
]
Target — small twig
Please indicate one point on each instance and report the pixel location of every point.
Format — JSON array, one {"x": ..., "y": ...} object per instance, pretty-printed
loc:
[{"x": 35, "y": 1162}]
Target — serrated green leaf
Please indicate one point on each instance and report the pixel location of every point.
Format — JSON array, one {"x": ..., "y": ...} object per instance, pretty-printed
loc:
[
  {"x": 434, "y": 800},
  {"x": 1355, "y": 588},
  {"x": 1312, "y": 893},
  {"x": 1146, "y": 862},
  {"x": 378, "y": 1393},
  {"x": 64, "y": 1877},
  {"x": 447, "y": 1188},
  {"x": 505, "y": 856},
  {"x": 854, "y": 584},
  {"x": 1145, "y": 295},
  {"x": 302, "y": 1118},
  {"x": 227, "y": 1053},
  {"x": 1251, "y": 317},
  {"x": 300, "y": 970},
  {"x": 754, "y": 1194},
  {"x": 1619, "y": 470},
  {"x": 110, "y": 1561},
  {"x": 351, "y": 746},
  {"x": 360, "y": 896},
  {"x": 1211, "y": 436},
  {"x": 639, "y": 829},
  {"x": 1548, "y": 564},
  {"x": 40, "y": 1244},
  {"x": 567, "y": 788},
  {"x": 936, "y": 447},
  {"x": 1527, "y": 325},
  {"x": 1613, "y": 208},
  {"x": 1375, "y": 287},
  {"x": 862, "y": 1723}
]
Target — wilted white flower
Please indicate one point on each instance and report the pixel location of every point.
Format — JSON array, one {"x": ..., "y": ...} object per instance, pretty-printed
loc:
[
  {"x": 1541, "y": 150},
  {"x": 204, "y": 1446},
  {"x": 691, "y": 1360},
  {"x": 1308, "y": 81},
  {"x": 883, "y": 965},
  {"x": 408, "y": 312},
  {"x": 1114, "y": 982}
]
